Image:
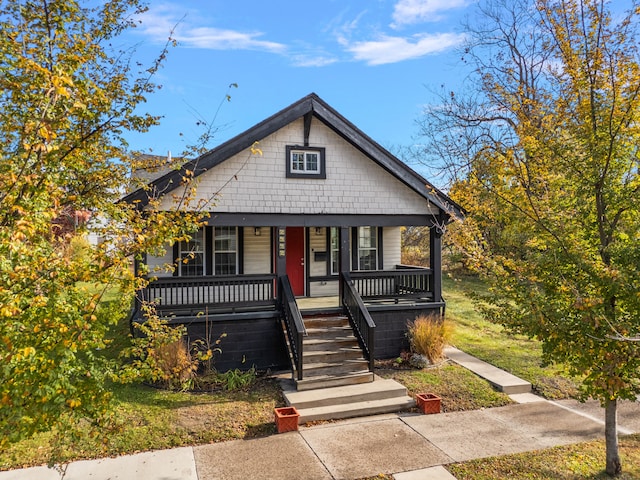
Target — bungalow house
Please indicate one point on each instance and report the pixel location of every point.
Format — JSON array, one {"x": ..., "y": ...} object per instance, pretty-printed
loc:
[{"x": 299, "y": 262}]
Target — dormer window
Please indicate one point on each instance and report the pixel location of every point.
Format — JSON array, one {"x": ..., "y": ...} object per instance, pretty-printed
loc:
[{"x": 305, "y": 162}]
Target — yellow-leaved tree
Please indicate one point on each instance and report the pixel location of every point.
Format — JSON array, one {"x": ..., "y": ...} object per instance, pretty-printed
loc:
[
  {"x": 543, "y": 150},
  {"x": 68, "y": 99}
]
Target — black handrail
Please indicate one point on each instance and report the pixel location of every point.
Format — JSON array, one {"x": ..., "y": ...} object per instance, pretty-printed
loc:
[
  {"x": 360, "y": 319},
  {"x": 293, "y": 322}
]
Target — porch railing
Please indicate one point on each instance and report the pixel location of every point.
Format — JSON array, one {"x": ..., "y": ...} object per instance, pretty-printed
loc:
[
  {"x": 405, "y": 282},
  {"x": 293, "y": 322},
  {"x": 361, "y": 321},
  {"x": 190, "y": 295}
]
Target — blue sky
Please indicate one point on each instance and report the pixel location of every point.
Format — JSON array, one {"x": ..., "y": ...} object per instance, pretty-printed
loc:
[{"x": 374, "y": 61}]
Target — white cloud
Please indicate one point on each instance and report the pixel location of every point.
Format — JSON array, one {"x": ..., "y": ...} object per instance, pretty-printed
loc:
[
  {"x": 407, "y": 12},
  {"x": 305, "y": 60},
  {"x": 396, "y": 49},
  {"x": 162, "y": 20},
  {"x": 220, "y": 39}
]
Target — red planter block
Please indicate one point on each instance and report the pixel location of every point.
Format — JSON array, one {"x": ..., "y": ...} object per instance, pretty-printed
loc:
[
  {"x": 286, "y": 419},
  {"x": 428, "y": 403}
]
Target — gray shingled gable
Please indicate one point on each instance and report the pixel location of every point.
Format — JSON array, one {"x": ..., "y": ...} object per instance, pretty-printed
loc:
[{"x": 311, "y": 104}]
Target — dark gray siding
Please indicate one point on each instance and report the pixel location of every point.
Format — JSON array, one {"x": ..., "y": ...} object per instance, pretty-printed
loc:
[{"x": 249, "y": 342}]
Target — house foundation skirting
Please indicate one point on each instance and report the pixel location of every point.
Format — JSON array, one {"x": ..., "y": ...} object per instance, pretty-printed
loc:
[
  {"x": 391, "y": 326},
  {"x": 250, "y": 341}
]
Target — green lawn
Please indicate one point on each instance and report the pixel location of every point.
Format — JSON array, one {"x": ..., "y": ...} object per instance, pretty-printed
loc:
[
  {"x": 582, "y": 461},
  {"x": 458, "y": 388},
  {"x": 516, "y": 354},
  {"x": 523, "y": 357},
  {"x": 149, "y": 418}
]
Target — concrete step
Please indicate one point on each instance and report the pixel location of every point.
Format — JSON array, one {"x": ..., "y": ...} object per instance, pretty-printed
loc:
[
  {"x": 336, "y": 369},
  {"x": 332, "y": 354},
  {"x": 501, "y": 380},
  {"x": 358, "y": 409},
  {"x": 379, "y": 396},
  {"x": 330, "y": 381},
  {"x": 377, "y": 390}
]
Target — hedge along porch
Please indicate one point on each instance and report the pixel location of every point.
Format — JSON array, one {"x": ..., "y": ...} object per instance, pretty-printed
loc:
[{"x": 318, "y": 214}]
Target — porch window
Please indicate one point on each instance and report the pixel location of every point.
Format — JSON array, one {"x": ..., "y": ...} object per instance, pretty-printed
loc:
[
  {"x": 225, "y": 250},
  {"x": 191, "y": 255},
  {"x": 367, "y": 248},
  {"x": 305, "y": 162}
]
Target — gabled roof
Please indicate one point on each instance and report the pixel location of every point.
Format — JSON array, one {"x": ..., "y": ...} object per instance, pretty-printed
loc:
[{"x": 309, "y": 105}]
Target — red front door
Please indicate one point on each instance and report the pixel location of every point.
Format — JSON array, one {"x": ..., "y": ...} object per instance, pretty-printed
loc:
[{"x": 295, "y": 259}]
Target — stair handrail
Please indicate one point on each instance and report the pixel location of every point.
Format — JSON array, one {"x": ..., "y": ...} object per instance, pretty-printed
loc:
[
  {"x": 295, "y": 328},
  {"x": 363, "y": 325}
]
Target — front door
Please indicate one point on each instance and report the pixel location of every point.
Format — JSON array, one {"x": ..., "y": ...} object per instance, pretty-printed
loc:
[{"x": 295, "y": 259}]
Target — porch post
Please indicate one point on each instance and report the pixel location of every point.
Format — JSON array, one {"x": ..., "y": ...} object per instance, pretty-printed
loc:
[
  {"x": 343, "y": 261},
  {"x": 435, "y": 261}
]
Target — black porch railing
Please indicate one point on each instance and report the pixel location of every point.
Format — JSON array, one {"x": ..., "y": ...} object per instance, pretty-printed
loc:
[
  {"x": 403, "y": 283},
  {"x": 191, "y": 295},
  {"x": 360, "y": 319},
  {"x": 293, "y": 322}
]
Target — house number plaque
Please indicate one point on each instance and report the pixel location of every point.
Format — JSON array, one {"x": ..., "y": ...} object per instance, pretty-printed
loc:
[{"x": 281, "y": 241}]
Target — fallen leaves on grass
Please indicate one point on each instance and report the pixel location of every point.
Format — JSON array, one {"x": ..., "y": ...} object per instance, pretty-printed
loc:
[
  {"x": 581, "y": 461},
  {"x": 153, "y": 419},
  {"x": 458, "y": 388}
]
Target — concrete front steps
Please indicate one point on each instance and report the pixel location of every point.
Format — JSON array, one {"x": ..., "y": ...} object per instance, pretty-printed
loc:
[
  {"x": 371, "y": 398},
  {"x": 336, "y": 380},
  {"x": 331, "y": 354}
]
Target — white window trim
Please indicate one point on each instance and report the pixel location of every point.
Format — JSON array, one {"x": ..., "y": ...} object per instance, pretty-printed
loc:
[
  {"x": 185, "y": 253},
  {"x": 374, "y": 231},
  {"x": 305, "y": 161},
  {"x": 334, "y": 231},
  {"x": 214, "y": 251}
]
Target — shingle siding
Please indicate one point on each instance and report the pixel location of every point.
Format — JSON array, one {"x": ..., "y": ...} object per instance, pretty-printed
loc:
[{"x": 354, "y": 183}]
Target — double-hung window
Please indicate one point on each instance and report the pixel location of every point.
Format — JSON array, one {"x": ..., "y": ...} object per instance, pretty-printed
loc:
[
  {"x": 191, "y": 255},
  {"x": 225, "y": 250},
  {"x": 367, "y": 248},
  {"x": 305, "y": 162},
  {"x": 211, "y": 251}
]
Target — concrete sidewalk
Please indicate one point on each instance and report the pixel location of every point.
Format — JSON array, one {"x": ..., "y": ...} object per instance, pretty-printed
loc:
[{"x": 409, "y": 446}]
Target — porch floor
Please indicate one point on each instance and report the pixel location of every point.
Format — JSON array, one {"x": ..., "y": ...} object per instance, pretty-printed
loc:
[
  {"x": 318, "y": 303},
  {"x": 313, "y": 303}
]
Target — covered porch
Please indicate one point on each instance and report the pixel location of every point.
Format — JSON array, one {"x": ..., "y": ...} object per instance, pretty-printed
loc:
[{"x": 264, "y": 318}]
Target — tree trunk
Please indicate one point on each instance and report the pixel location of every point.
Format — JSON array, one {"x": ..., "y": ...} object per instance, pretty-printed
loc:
[{"x": 614, "y": 467}]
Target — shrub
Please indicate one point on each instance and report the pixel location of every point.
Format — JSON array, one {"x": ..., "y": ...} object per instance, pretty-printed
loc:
[
  {"x": 428, "y": 336},
  {"x": 175, "y": 364},
  {"x": 160, "y": 355}
]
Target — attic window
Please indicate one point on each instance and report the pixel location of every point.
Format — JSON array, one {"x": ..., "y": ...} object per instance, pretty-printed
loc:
[{"x": 305, "y": 162}]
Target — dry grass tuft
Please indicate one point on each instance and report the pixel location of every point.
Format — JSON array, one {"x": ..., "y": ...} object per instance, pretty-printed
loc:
[
  {"x": 175, "y": 362},
  {"x": 428, "y": 335}
]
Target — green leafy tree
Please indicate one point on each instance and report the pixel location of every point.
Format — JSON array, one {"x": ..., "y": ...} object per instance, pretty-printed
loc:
[
  {"x": 543, "y": 152},
  {"x": 68, "y": 100}
]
